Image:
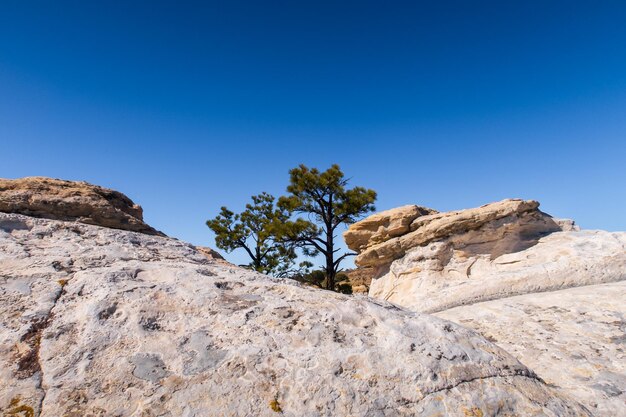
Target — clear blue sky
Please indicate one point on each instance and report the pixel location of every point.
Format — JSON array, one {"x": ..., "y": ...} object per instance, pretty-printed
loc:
[{"x": 189, "y": 106}]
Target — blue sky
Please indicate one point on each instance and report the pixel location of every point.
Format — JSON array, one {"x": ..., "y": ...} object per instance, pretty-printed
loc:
[{"x": 186, "y": 107}]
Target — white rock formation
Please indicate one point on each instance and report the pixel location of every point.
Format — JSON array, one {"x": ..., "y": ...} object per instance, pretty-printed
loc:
[
  {"x": 573, "y": 338},
  {"x": 463, "y": 269},
  {"x": 524, "y": 261},
  {"x": 104, "y": 322}
]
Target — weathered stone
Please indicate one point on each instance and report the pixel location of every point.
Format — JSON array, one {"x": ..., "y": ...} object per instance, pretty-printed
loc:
[
  {"x": 491, "y": 263},
  {"x": 383, "y": 226},
  {"x": 149, "y": 367},
  {"x": 510, "y": 271},
  {"x": 122, "y": 323},
  {"x": 72, "y": 201},
  {"x": 212, "y": 255},
  {"x": 425, "y": 229},
  {"x": 573, "y": 338}
]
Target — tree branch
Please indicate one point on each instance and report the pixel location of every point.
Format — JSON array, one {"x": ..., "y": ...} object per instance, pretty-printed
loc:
[
  {"x": 243, "y": 245},
  {"x": 311, "y": 242},
  {"x": 341, "y": 258}
]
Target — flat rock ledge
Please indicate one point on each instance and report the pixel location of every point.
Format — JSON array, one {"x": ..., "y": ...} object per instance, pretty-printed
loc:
[
  {"x": 104, "y": 322},
  {"x": 72, "y": 201}
]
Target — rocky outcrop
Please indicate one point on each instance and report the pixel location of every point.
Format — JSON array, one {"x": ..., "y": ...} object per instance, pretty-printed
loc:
[
  {"x": 480, "y": 266},
  {"x": 511, "y": 272},
  {"x": 72, "y": 201},
  {"x": 574, "y": 338},
  {"x": 433, "y": 227},
  {"x": 382, "y": 226},
  {"x": 97, "y": 321},
  {"x": 212, "y": 254}
]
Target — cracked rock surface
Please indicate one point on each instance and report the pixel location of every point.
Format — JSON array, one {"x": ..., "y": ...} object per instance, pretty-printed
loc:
[
  {"x": 548, "y": 293},
  {"x": 104, "y": 322},
  {"x": 574, "y": 338}
]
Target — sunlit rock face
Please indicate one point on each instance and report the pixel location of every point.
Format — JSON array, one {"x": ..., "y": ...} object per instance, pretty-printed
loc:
[
  {"x": 574, "y": 338},
  {"x": 105, "y": 322},
  {"x": 72, "y": 201},
  {"x": 519, "y": 221},
  {"x": 383, "y": 226},
  {"x": 539, "y": 287}
]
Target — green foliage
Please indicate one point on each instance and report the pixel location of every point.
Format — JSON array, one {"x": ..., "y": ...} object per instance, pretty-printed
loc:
[
  {"x": 270, "y": 236},
  {"x": 343, "y": 284},
  {"x": 324, "y": 195},
  {"x": 327, "y": 203},
  {"x": 257, "y": 230},
  {"x": 318, "y": 278},
  {"x": 315, "y": 277},
  {"x": 296, "y": 273}
]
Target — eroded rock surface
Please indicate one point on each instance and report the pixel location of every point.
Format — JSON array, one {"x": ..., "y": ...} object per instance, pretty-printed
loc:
[
  {"x": 464, "y": 270},
  {"x": 544, "y": 290},
  {"x": 360, "y": 279},
  {"x": 107, "y": 322},
  {"x": 382, "y": 226},
  {"x": 212, "y": 255},
  {"x": 574, "y": 338},
  {"x": 424, "y": 229},
  {"x": 72, "y": 201}
]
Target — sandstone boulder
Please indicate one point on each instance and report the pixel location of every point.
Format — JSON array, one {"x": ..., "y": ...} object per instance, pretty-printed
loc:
[
  {"x": 360, "y": 279},
  {"x": 72, "y": 201},
  {"x": 97, "y": 321},
  {"x": 544, "y": 290},
  {"x": 210, "y": 254},
  {"x": 433, "y": 227},
  {"x": 383, "y": 226}
]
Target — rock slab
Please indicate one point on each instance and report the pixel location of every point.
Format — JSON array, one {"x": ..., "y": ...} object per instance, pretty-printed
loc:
[
  {"x": 104, "y": 322},
  {"x": 463, "y": 269},
  {"x": 539, "y": 287},
  {"x": 438, "y": 226},
  {"x": 574, "y": 338},
  {"x": 382, "y": 226},
  {"x": 72, "y": 201}
]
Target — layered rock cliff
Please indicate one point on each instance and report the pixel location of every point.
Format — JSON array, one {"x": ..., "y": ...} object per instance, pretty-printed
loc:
[
  {"x": 72, "y": 201},
  {"x": 99, "y": 321},
  {"x": 551, "y": 294}
]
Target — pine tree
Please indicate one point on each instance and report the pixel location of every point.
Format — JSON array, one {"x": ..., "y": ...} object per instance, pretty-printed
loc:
[
  {"x": 326, "y": 201},
  {"x": 256, "y": 231}
]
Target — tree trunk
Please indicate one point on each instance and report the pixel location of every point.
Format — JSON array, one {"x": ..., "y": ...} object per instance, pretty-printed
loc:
[
  {"x": 330, "y": 254},
  {"x": 330, "y": 267},
  {"x": 257, "y": 259},
  {"x": 330, "y": 273}
]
